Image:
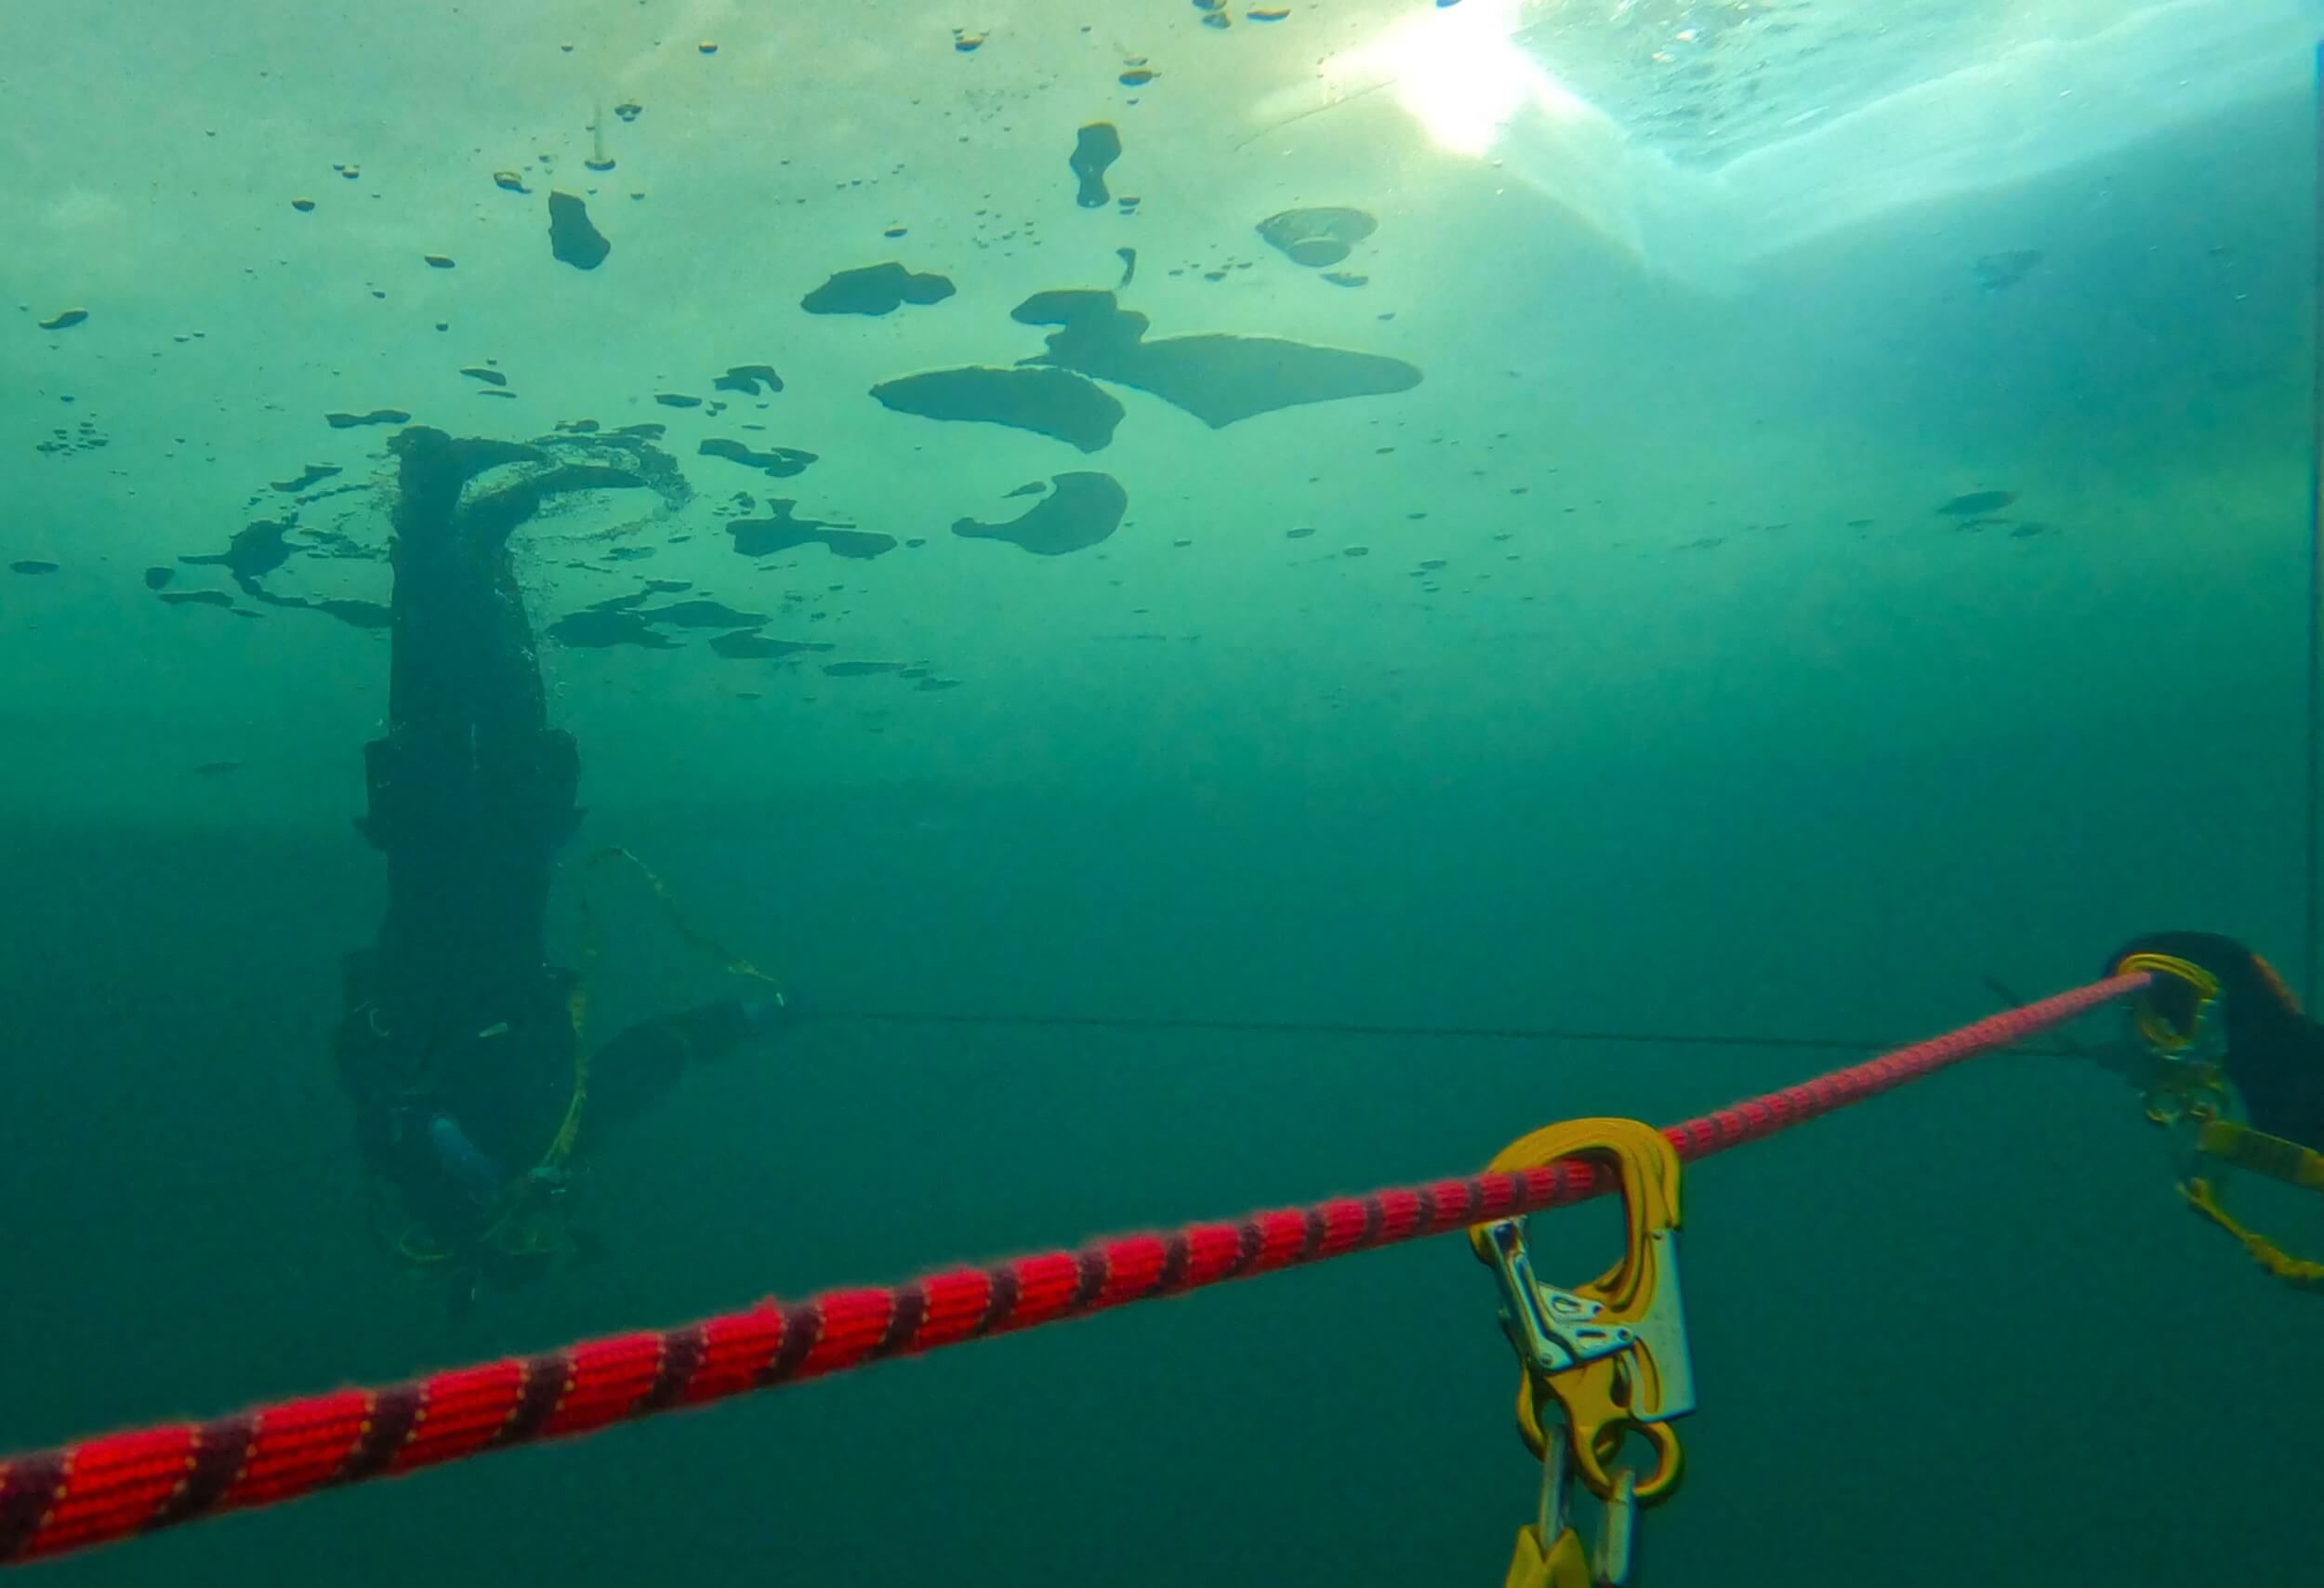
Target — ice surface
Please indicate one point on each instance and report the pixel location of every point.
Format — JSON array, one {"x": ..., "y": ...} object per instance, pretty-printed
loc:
[{"x": 1704, "y": 134}]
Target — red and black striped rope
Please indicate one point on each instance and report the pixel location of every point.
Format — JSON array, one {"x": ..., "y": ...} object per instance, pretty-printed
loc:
[{"x": 75, "y": 1496}]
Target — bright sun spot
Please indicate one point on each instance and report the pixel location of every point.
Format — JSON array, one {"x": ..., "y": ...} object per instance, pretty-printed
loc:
[{"x": 1460, "y": 72}]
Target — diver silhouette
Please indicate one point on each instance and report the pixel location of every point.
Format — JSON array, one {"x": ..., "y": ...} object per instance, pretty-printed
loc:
[{"x": 460, "y": 1040}]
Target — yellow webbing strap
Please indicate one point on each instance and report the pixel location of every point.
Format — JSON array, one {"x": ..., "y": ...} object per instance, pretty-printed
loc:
[
  {"x": 577, "y": 1011},
  {"x": 1563, "y": 1567},
  {"x": 2263, "y": 1154},
  {"x": 2287, "y": 1162}
]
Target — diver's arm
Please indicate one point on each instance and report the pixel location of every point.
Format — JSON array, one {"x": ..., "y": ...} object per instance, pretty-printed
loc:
[{"x": 641, "y": 1064}]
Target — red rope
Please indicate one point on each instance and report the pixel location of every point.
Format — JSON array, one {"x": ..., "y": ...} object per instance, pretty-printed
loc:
[{"x": 75, "y": 1496}]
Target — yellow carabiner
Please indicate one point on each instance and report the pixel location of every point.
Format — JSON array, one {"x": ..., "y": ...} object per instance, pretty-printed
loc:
[
  {"x": 2155, "y": 1023},
  {"x": 1612, "y": 1353}
]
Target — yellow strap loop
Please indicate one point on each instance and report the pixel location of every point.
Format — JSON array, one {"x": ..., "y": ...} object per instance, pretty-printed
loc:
[
  {"x": 560, "y": 1147},
  {"x": 2295, "y": 1271},
  {"x": 568, "y": 1135},
  {"x": 521, "y": 1228},
  {"x": 515, "y": 1230},
  {"x": 2238, "y": 1144},
  {"x": 733, "y": 963}
]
